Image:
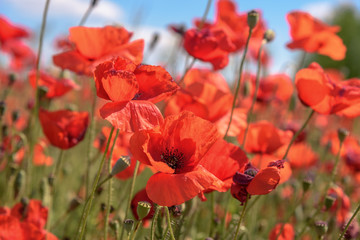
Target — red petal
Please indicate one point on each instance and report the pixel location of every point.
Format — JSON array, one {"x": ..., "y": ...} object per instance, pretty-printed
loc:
[
  {"x": 264, "y": 181},
  {"x": 155, "y": 83},
  {"x": 174, "y": 189},
  {"x": 132, "y": 116}
]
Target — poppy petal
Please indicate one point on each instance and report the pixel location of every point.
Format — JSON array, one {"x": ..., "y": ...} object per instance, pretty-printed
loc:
[
  {"x": 132, "y": 116},
  {"x": 174, "y": 189},
  {"x": 264, "y": 181}
]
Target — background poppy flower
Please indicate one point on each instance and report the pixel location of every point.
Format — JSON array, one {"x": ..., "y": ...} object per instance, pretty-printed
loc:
[
  {"x": 95, "y": 45},
  {"x": 133, "y": 91},
  {"x": 312, "y": 35},
  {"x": 209, "y": 45},
  {"x": 141, "y": 196},
  {"x": 287, "y": 232},
  {"x": 9, "y": 31},
  {"x": 325, "y": 96},
  {"x": 21, "y": 55},
  {"x": 64, "y": 128},
  {"x": 55, "y": 87},
  {"x": 264, "y": 137},
  {"x": 175, "y": 149}
]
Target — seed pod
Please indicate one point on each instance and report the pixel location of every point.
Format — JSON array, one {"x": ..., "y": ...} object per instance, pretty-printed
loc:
[
  {"x": 252, "y": 18},
  {"x": 120, "y": 165},
  {"x": 143, "y": 209}
]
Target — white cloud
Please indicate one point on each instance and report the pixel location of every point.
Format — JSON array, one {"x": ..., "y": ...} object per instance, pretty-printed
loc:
[
  {"x": 321, "y": 10},
  {"x": 104, "y": 11}
]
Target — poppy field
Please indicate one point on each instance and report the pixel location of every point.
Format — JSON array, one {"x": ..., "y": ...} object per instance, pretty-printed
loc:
[{"x": 99, "y": 144}]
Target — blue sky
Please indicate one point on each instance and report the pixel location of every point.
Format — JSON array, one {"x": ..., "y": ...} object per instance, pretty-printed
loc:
[{"x": 145, "y": 17}]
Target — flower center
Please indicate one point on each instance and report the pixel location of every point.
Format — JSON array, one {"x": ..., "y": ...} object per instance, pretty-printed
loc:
[{"x": 173, "y": 158}]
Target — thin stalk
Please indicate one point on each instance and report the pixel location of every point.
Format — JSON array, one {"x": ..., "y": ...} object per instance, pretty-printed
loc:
[
  {"x": 187, "y": 69},
  {"x": 203, "y": 19},
  {"x": 212, "y": 206},
  {"x": 257, "y": 83},
  {"x": 87, "y": 13},
  {"x": 349, "y": 222},
  {"x": 241, "y": 218},
  {"x": 138, "y": 224},
  {"x": 156, "y": 214},
  {"x": 169, "y": 223},
  {"x": 297, "y": 133},
  {"x": 239, "y": 82},
  {"x": 35, "y": 111},
  {"x": 107, "y": 211},
  {"x": 130, "y": 195},
  {"x": 55, "y": 176},
  {"x": 87, "y": 207}
]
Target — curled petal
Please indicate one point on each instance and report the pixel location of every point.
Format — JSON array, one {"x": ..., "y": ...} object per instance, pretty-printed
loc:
[{"x": 264, "y": 181}]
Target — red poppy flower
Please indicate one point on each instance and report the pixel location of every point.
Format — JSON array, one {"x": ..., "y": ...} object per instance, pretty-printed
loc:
[
  {"x": 223, "y": 160},
  {"x": 209, "y": 45},
  {"x": 275, "y": 87},
  {"x": 256, "y": 182},
  {"x": 133, "y": 90},
  {"x": 264, "y": 137},
  {"x": 21, "y": 55},
  {"x": 341, "y": 205},
  {"x": 287, "y": 232},
  {"x": 331, "y": 138},
  {"x": 64, "y": 129},
  {"x": 261, "y": 161},
  {"x": 55, "y": 87},
  {"x": 312, "y": 35},
  {"x": 318, "y": 91},
  {"x": 95, "y": 45},
  {"x": 40, "y": 159},
  {"x": 175, "y": 149},
  {"x": 8, "y": 31},
  {"x": 10, "y": 228},
  {"x": 300, "y": 155}
]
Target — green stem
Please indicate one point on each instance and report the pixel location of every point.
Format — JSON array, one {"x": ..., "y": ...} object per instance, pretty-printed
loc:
[
  {"x": 349, "y": 222},
  {"x": 108, "y": 205},
  {"x": 257, "y": 83},
  {"x": 239, "y": 82},
  {"x": 130, "y": 195},
  {"x": 87, "y": 13},
  {"x": 241, "y": 218},
  {"x": 87, "y": 207},
  {"x": 169, "y": 223},
  {"x": 297, "y": 133},
  {"x": 187, "y": 69},
  {"x": 154, "y": 222},
  {"x": 212, "y": 217},
  {"x": 138, "y": 224}
]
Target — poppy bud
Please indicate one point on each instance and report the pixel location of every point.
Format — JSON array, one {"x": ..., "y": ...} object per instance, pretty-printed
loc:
[
  {"x": 44, "y": 191},
  {"x": 154, "y": 41},
  {"x": 2, "y": 108},
  {"x": 329, "y": 201},
  {"x": 12, "y": 79},
  {"x": 74, "y": 203},
  {"x": 114, "y": 225},
  {"x": 143, "y": 209},
  {"x": 252, "y": 18},
  {"x": 321, "y": 228},
  {"x": 128, "y": 225},
  {"x": 306, "y": 183},
  {"x": 342, "y": 134},
  {"x": 15, "y": 116},
  {"x": 19, "y": 182},
  {"x": 121, "y": 164},
  {"x": 269, "y": 35},
  {"x": 51, "y": 178}
]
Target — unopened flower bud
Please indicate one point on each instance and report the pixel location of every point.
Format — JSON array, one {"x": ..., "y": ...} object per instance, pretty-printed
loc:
[
  {"x": 143, "y": 209},
  {"x": 19, "y": 182},
  {"x": 252, "y": 18},
  {"x": 15, "y": 116},
  {"x": 12, "y": 79},
  {"x": 114, "y": 225},
  {"x": 154, "y": 41},
  {"x": 74, "y": 203},
  {"x": 321, "y": 228},
  {"x": 269, "y": 35},
  {"x": 128, "y": 225},
  {"x": 120, "y": 165},
  {"x": 342, "y": 134},
  {"x": 306, "y": 183},
  {"x": 2, "y": 108},
  {"x": 329, "y": 201}
]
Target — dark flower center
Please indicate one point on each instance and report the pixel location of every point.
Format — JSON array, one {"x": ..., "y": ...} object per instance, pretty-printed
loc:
[{"x": 173, "y": 158}]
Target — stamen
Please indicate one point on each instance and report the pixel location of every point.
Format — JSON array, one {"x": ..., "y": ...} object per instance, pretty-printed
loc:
[{"x": 173, "y": 158}]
